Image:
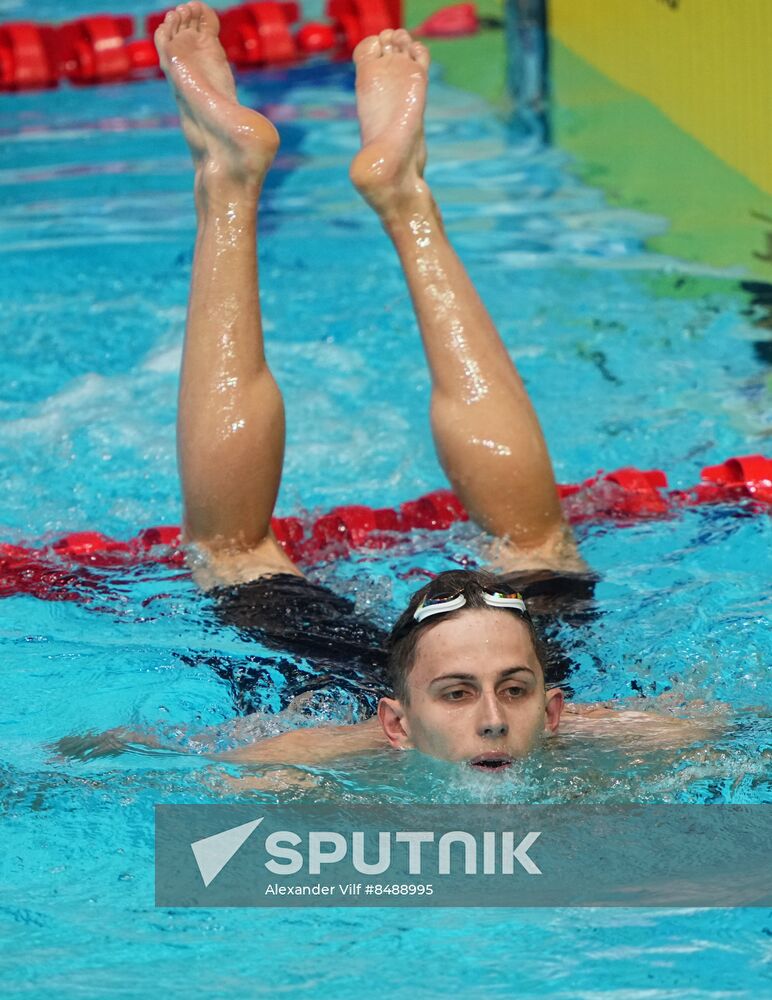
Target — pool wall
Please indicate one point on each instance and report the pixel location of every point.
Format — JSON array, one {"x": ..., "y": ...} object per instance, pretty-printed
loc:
[{"x": 665, "y": 104}]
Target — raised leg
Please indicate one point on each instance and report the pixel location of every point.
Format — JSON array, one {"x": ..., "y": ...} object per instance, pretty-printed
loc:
[
  {"x": 230, "y": 429},
  {"x": 485, "y": 428}
]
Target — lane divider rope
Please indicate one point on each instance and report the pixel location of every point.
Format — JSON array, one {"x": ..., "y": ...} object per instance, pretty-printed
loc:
[
  {"x": 101, "y": 48},
  {"x": 69, "y": 568}
]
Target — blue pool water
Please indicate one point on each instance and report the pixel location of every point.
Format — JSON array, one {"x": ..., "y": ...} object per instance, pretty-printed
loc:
[{"x": 630, "y": 358}]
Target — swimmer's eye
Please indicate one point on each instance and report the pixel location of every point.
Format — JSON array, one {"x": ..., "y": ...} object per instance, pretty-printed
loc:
[
  {"x": 457, "y": 694},
  {"x": 515, "y": 691}
]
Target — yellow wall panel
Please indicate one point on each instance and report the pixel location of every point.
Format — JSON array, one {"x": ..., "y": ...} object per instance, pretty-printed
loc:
[{"x": 707, "y": 64}]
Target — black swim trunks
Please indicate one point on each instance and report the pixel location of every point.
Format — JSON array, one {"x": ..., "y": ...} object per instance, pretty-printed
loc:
[
  {"x": 555, "y": 600},
  {"x": 343, "y": 655},
  {"x": 333, "y": 648}
]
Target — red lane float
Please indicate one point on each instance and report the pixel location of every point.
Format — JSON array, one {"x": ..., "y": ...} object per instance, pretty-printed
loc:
[
  {"x": 100, "y": 48},
  {"x": 68, "y": 569},
  {"x": 457, "y": 21},
  {"x": 28, "y": 56}
]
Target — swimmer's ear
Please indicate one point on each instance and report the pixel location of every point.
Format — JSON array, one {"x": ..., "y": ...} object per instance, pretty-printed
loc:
[
  {"x": 555, "y": 701},
  {"x": 391, "y": 717}
]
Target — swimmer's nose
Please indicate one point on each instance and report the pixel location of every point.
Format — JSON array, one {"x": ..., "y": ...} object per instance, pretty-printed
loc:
[
  {"x": 495, "y": 729},
  {"x": 493, "y": 723}
]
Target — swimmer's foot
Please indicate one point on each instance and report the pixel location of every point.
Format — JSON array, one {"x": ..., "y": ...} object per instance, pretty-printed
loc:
[
  {"x": 225, "y": 139},
  {"x": 392, "y": 72}
]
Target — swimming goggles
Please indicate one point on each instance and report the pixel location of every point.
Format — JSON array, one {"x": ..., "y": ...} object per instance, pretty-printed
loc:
[{"x": 437, "y": 604}]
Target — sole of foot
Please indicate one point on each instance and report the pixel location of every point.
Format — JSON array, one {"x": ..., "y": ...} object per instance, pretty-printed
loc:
[
  {"x": 226, "y": 139},
  {"x": 392, "y": 76}
]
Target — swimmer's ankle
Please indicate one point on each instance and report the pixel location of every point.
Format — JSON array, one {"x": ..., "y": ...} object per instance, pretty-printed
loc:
[
  {"x": 394, "y": 201},
  {"x": 404, "y": 210},
  {"x": 216, "y": 182}
]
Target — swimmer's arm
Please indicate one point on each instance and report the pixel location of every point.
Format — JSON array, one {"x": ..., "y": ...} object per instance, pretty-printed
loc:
[
  {"x": 313, "y": 745},
  {"x": 112, "y": 743},
  {"x": 651, "y": 728}
]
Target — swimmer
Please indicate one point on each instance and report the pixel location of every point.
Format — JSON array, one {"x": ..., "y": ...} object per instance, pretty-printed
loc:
[{"x": 463, "y": 676}]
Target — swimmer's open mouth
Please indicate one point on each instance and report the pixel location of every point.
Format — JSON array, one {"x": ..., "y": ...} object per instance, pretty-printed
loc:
[{"x": 491, "y": 761}]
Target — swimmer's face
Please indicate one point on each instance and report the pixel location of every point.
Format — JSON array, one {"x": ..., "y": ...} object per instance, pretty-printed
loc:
[{"x": 476, "y": 693}]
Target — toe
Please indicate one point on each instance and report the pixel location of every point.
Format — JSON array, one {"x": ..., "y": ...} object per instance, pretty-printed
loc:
[
  {"x": 402, "y": 40},
  {"x": 368, "y": 48},
  {"x": 172, "y": 23},
  {"x": 420, "y": 53},
  {"x": 208, "y": 18},
  {"x": 161, "y": 37},
  {"x": 387, "y": 40},
  {"x": 195, "y": 16},
  {"x": 184, "y": 11}
]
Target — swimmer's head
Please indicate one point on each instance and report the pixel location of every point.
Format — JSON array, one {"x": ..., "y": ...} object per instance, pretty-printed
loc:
[{"x": 468, "y": 674}]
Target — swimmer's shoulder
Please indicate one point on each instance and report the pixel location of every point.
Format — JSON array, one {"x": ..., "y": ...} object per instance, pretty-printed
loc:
[{"x": 649, "y": 728}]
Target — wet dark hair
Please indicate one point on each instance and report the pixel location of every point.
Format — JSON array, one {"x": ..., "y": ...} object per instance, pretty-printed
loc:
[{"x": 403, "y": 640}]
